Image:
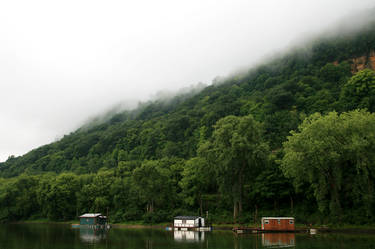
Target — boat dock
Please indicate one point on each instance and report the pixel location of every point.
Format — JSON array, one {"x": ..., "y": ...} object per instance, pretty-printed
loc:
[
  {"x": 201, "y": 229},
  {"x": 248, "y": 230},
  {"x": 95, "y": 227}
]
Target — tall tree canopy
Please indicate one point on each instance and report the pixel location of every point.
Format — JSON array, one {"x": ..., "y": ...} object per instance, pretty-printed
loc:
[
  {"x": 335, "y": 153},
  {"x": 359, "y": 91},
  {"x": 235, "y": 151}
]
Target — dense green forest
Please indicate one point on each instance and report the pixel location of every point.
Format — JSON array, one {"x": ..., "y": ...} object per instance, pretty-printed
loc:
[{"x": 294, "y": 136}]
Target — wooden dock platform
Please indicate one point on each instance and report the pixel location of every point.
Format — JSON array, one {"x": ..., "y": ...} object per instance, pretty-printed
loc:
[
  {"x": 201, "y": 229},
  {"x": 95, "y": 227},
  {"x": 248, "y": 230}
]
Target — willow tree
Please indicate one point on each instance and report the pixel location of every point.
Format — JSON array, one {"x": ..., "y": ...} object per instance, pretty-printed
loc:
[
  {"x": 235, "y": 151},
  {"x": 335, "y": 154}
]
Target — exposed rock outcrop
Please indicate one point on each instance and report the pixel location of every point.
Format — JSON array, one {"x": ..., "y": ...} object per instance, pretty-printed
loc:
[
  {"x": 372, "y": 59},
  {"x": 363, "y": 62}
]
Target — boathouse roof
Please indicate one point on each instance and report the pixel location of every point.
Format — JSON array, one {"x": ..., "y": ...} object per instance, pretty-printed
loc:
[
  {"x": 90, "y": 215},
  {"x": 278, "y": 218},
  {"x": 186, "y": 217}
]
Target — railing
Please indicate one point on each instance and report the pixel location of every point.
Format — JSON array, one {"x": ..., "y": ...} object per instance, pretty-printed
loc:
[{"x": 183, "y": 225}]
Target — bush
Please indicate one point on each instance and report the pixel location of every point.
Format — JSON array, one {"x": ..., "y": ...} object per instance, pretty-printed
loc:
[{"x": 155, "y": 217}]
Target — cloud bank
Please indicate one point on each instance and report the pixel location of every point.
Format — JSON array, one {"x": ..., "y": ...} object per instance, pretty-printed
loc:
[{"x": 64, "y": 61}]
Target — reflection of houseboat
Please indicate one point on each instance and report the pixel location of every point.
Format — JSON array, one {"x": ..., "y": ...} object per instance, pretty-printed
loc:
[
  {"x": 90, "y": 235},
  {"x": 190, "y": 236},
  {"x": 278, "y": 240},
  {"x": 185, "y": 223},
  {"x": 278, "y": 224}
]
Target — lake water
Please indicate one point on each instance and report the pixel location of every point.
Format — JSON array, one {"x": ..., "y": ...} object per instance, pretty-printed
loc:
[{"x": 41, "y": 236}]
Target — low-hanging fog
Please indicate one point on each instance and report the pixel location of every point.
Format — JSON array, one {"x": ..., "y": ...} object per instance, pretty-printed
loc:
[{"x": 62, "y": 62}]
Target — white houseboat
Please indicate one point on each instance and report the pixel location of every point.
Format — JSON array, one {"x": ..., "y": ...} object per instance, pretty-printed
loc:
[{"x": 185, "y": 223}]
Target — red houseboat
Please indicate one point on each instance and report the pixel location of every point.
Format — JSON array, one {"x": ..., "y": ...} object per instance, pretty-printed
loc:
[{"x": 278, "y": 223}]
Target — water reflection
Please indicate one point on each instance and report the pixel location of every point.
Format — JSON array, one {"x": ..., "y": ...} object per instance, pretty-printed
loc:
[
  {"x": 43, "y": 236},
  {"x": 278, "y": 240},
  {"x": 90, "y": 235},
  {"x": 189, "y": 236}
]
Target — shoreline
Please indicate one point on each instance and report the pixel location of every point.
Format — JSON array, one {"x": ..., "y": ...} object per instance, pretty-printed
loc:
[{"x": 220, "y": 227}]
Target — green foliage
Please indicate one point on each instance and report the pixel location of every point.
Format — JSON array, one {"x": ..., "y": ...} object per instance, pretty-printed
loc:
[
  {"x": 335, "y": 154},
  {"x": 359, "y": 91},
  {"x": 195, "y": 182},
  {"x": 235, "y": 151}
]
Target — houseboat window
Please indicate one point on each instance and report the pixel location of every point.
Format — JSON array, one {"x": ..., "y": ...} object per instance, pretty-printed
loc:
[
  {"x": 266, "y": 221},
  {"x": 291, "y": 221},
  {"x": 278, "y": 221},
  {"x": 183, "y": 221}
]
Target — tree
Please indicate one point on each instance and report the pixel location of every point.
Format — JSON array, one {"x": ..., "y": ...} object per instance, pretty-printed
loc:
[
  {"x": 61, "y": 198},
  {"x": 235, "y": 151},
  {"x": 95, "y": 195},
  {"x": 196, "y": 179},
  {"x": 331, "y": 152},
  {"x": 359, "y": 91},
  {"x": 271, "y": 188},
  {"x": 151, "y": 181}
]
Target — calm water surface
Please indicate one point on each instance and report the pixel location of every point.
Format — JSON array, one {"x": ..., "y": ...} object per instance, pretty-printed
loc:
[{"x": 43, "y": 236}]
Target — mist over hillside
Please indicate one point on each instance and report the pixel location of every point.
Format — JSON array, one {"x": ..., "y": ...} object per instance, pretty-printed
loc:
[
  {"x": 345, "y": 29},
  {"x": 105, "y": 55},
  {"x": 333, "y": 45}
]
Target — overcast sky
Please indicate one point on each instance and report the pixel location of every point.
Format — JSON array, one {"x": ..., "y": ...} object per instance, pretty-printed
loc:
[{"x": 62, "y": 62}]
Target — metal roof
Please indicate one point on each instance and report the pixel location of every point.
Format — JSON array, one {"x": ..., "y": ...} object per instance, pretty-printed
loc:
[
  {"x": 90, "y": 215},
  {"x": 278, "y": 218},
  {"x": 186, "y": 217}
]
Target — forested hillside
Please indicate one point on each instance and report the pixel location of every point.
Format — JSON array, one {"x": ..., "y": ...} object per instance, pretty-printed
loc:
[{"x": 227, "y": 149}]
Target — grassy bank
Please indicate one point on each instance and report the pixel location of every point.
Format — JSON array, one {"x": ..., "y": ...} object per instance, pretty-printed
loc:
[{"x": 45, "y": 221}]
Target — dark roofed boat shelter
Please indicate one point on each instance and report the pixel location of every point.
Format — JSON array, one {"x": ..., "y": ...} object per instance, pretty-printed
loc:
[{"x": 92, "y": 219}]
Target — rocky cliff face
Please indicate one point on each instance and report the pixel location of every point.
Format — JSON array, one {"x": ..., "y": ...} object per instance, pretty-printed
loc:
[
  {"x": 362, "y": 62},
  {"x": 372, "y": 59}
]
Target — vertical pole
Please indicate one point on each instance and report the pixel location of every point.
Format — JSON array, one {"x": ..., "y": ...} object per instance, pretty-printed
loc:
[
  {"x": 107, "y": 216},
  {"x": 206, "y": 224}
]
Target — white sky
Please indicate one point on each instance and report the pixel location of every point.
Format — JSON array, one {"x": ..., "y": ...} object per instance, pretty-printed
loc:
[{"x": 62, "y": 62}]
